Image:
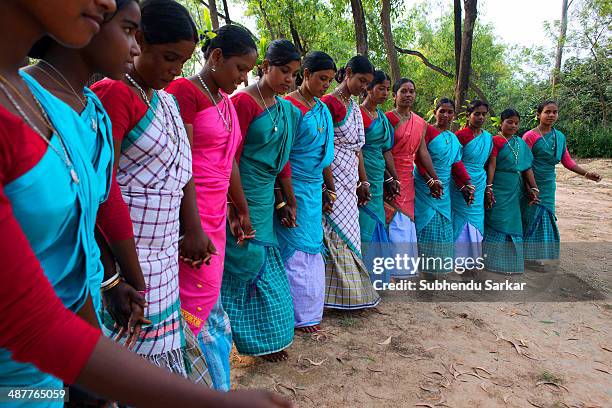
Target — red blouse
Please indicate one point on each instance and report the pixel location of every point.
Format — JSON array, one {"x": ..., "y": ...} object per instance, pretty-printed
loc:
[
  {"x": 498, "y": 143},
  {"x": 34, "y": 324},
  {"x": 392, "y": 118},
  {"x": 336, "y": 108},
  {"x": 189, "y": 97}
]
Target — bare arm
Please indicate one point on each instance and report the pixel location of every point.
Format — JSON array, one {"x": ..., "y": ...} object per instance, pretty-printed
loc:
[
  {"x": 489, "y": 197},
  {"x": 111, "y": 371},
  {"x": 363, "y": 191},
  {"x": 329, "y": 194}
]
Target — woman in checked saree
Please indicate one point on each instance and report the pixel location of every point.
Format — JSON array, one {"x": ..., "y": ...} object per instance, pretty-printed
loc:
[
  {"x": 153, "y": 167},
  {"x": 348, "y": 284},
  {"x": 255, "y": 290}
]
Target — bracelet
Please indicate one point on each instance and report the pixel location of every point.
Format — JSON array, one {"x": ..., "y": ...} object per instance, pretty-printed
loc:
[
  {"x": 365, "y": 183},
  {"x": 462, "y": 188},
  {"x": 430, "y": 182},
  {"x": 332, "y": 194},
  {"x": 324, "y": 188},
  {"x": 111, "y": 285},
  {"x": 109, "y": 280},
  {"x": 489, "y": 185},
  {"x": 277, "y": 188},
  {"x": 280, "y": 205},
  {"x": 535, "y": 189},
  {"x": 389, "y": 179},
  {"x": 586, "y": 174}
]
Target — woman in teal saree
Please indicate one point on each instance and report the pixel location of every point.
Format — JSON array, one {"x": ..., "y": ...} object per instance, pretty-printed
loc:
[
  {"x": 508, "y": 169},
  {"x": 548, "y": 146},
  {"x": 378, "y": 160},
  {"x": 255, "y": 290}
]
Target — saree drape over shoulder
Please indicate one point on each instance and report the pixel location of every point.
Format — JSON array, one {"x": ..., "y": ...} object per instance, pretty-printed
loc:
[
  {"x": 348, "y": 284},
  {"x": 58, "y": 217},
  {"x": 216, "y": 137},
  {"x": 378, "y": 139},
  {"x": 301, "y": 247},
  {"x": 255, "y": 291},
  {"x": 503, "y": 236},
  {"x": 154, "y": 166},
  {"x": 433, "y": 216},
  {"x": 540, "y": 231},
  {"x": 400, "y": 212},
  {"x": 468, "y": 221}
]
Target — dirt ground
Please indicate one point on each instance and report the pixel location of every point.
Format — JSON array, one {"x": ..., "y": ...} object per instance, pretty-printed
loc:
[{"x": 415, "y": 351}]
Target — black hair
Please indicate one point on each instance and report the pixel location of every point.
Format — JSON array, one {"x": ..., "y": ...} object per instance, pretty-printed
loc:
[
  {"x": 379, "y": 78},
  {"x": 508, "y": 113},
  {"x": 443, "y": 101},
  {"x": 543, "y": 104},
  {"x": 477, "y": 103},
  {"x": 282, "y": 52},
  {"x": 398, "y": 84},
  {"x": 166, "y": 21},
  {"x": 315, "y": 61},
  {"x": 232, "y": 40},
  {"x": 42, "y": 46},
  {"x": 358, "y": 65}
]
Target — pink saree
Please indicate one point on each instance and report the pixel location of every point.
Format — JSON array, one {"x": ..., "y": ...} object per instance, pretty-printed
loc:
[{"x": 213, "y": 152}]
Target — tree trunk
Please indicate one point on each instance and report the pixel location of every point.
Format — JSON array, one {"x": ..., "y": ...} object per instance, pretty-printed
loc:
[
  {"x": 560, "y": 45},
  {"x": 457, "y": 9},
  {"x": 228, "y": 21},
  {"x": 265, "y": 17},
  {"x": 465, "y": 65},
  {"x": 385, "y": 19},
  {"x": 214, "y": 14},
  {"x": 296, "y": 38},
  {"x": 361, "y": 32}
]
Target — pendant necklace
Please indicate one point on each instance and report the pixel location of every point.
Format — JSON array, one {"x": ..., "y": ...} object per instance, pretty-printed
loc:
[
  {"x": 45, "y": 119},
  {"x": 274, "y": 121},
  {"x": 512, "y": 149},
  {"x": 69, "y": 88},
  {"x": 310, "y": 106},
  {"x": 226, "y": 122},
  {"x": 148, "y": 103}
]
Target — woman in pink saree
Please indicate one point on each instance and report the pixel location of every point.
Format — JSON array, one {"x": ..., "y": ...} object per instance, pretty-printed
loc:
[
  {"x": 409, "y": 144},
  {"x": 208, "y": 112}
]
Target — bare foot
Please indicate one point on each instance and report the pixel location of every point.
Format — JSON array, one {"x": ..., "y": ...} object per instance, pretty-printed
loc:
[
  {"x": 309, "y": 329},
  {"x": 276, "y": 357}
]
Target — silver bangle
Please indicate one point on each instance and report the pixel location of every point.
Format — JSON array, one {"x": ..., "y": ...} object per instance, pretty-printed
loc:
[{"x": 109, "y": 281}]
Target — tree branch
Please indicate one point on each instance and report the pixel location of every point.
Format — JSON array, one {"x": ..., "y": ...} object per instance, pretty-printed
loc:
[{"x": 445, "y": 73}]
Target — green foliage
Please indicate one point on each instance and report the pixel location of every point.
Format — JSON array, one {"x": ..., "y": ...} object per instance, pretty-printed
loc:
[
  {"x": 586, "y": 140},
  {"x": 508, "y": 75}
]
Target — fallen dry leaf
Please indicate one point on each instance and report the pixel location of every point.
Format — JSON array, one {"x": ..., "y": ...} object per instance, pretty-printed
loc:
[
  {"x": 312, "y": 362},
  {"x": 551, "y": 383},
  {"x": 376, "y": 396},
  {"x": 386, "y": 342}
]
